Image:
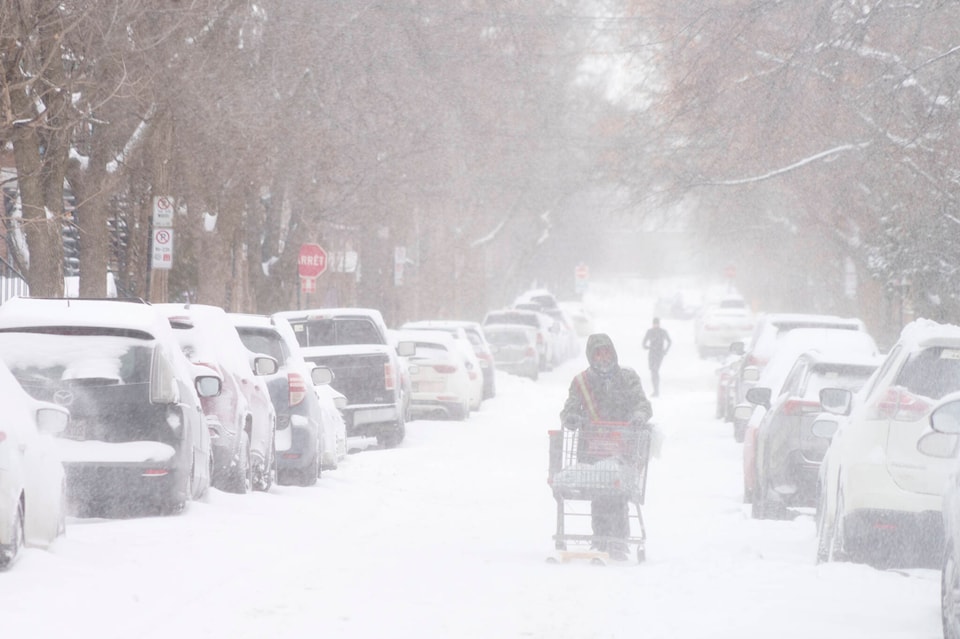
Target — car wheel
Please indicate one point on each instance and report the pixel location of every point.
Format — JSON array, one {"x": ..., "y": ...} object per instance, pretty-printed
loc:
[
  {"x": 266, "y": 471},
  {"x": 824, "y": 535},
  {"x": 312, "y": 471},
  {"x": 62, "y": 515},
  {"x": 840, "y": 544},
  {"x": 950, "y": 595},
  {"x": 9, "y": 552},
  {"x": 758, "y": 505},
  {"x": 241, "y": 474}
]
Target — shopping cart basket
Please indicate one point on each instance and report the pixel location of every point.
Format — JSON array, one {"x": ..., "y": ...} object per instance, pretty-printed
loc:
[{"x": 600, "y": 460}]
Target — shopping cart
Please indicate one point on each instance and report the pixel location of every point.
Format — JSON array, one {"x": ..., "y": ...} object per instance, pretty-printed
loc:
[{"x": 599, "y": 460}]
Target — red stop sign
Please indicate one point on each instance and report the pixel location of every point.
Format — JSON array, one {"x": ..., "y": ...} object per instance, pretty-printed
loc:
[
  {"x": 730, "y": 272},
  {"x": 312, "y": 261}
]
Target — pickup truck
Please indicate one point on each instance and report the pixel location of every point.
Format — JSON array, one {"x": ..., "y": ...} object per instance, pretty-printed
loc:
[{"x": 353, "y": 343}]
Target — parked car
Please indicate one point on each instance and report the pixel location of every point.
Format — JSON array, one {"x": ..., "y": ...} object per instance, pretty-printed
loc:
[
  {"x": 945, "y": 421},
  {"x": 879, "y": 489},
  {"x": 769, "y": 329},
  {"x": 772, "y": 381},
  {"x": 242, "y": 418},
  {"x": 439, "y": 374},
  {"x": 474, "y": 333},
  {"x": 33, "y": 497},
  {"x": 719, "y": 326},
  {"x": 472, "y": 362},
  {"x": 781, "y": 457},
  {"x": 540, "y": 324},
  {"x": 300, "y": 419},
  {"x": 354, "y": 344},
  {"x": 514, "y": 349},
  {"x": 726, "y": 382},
  {"x": 136, "y": 438},
  {"x": 582, "y": 319}
]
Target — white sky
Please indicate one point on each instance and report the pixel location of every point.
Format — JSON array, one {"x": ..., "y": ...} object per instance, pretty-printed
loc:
[{"x": 447, "y": 535}]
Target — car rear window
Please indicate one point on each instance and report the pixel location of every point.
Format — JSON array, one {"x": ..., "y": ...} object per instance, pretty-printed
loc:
[
  {"x": 932, "y": 372},
  {"x": 512, "y": 318},
  {"x": 850, "y": 377},
  {"x": 507, "y": 338},
  {"x": 336, "y": 331},
  {"x": 266, "y": 342}
]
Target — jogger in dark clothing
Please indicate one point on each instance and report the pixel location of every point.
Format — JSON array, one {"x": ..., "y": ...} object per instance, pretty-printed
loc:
[
  {"x": 658, "y": 342},
  {"x": 606, "y": 392}
]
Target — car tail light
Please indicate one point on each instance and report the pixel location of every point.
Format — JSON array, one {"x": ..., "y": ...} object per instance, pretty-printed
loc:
[
  {"x": 539, "y": 338},
  {"x": 753, "y": 360},
  {"x": 900, "y": 405},
  {"x": 156, "y": 472},
  {"x": 290, "y": 456},
  {"x": 389, "y": 380},
  {"x": 446, "y": 369},
  {"x": 3, "y": 436},
  {"x": 530, "y": 352},
  {"x": 297, "y": 388},
  {"x": 473, "y": 374},
  {"x": 793, "y": 407}
]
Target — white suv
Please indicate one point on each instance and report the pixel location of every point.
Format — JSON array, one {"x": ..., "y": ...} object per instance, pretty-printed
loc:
[{"x": 876, "y": 486}]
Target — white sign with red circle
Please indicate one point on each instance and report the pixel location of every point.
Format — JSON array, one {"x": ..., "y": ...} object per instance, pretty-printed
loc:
[
  {"x": 162, "y": 211},
  {"x": 162, "y": 254}
]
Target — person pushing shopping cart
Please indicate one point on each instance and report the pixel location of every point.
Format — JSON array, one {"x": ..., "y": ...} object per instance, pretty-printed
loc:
[{"x": 602, "y": 452}]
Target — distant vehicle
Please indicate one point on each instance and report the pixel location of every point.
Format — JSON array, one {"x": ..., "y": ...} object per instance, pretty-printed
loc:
[
  {"x": 882, "y": 479},
  {"x": 439, "y": 375},
  {"x": 299, "y": 416},
  {"x": 539, "y": 323},
  {"x": 540, "y": 296},
  {"x": 719, "y": 326},
  {"x": 137, "y": 439},
  {"x": 473, "y": 363},
  {"x": 354, "y": 344},
  {"x": 474, "y": 332},
  {"x": 514, "y": 349},
  {"x": 242, "y": 418},
  {"x": 781, "y": 458},
  {"x": 33, "y": 497},
  {"x": 334, "y": 448}
]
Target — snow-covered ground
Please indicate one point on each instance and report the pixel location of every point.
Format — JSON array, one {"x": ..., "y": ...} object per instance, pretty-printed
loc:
[{"x": 447, "y": 536}]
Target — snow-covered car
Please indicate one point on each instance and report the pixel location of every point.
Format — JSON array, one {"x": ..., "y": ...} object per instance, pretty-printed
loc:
[
  {"x": 773, "y": 381},
  {"x": 879, "y": 487},
  {"x": 719, "y": 326},
  {"x": 768, "y": 331},
  {"x": 945, "y": 421},
  {"x": 538, "y": 322},
  {"x": 299, "y": 419},
  {"x": 241, "y": 417},
  {"x": 582, "y": 319},
  {"x": 137, "y": 439},
  {"x": 472, "y": 362},
  {"x": 474, "y": 334},
  {"x": 33, "y": 499},
  {"x": 786, "y": 455},
  {"x": 514, "y": 349},
  {"x": 354, "y": 343},
  {"x": 440, "y": 380}
]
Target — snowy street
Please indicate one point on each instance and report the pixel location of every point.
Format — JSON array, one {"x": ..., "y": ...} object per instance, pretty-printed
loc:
[{"x": 447, "y": 535}]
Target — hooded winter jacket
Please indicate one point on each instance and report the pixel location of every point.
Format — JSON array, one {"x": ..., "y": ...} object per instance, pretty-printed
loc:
[{"x": 612, "y": 395}]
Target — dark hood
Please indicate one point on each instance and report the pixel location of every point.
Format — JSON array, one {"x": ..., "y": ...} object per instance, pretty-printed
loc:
[{"x": 597, "y": 340}]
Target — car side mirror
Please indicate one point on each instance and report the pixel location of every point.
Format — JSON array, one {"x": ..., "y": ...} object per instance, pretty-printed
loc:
[
  {"x": 737, "y": 348},
  {"x": 265, "y": 365},
  {"x": 406, "y": 349},
  {"x": 759, "y": 395},
  {"x": 321, "y": 376},
  {"x": 208, "y": 385},
  {"x": 750, "y": 374},
  {"x": 836, "y": 400},
  {"x": 945, "y": 418},
  {"x": 825, "y": 427}
]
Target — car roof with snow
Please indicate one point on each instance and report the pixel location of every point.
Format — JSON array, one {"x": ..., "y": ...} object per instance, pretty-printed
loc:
[
  {"x": 836, "y": 342},
  {"x": 924, "y": 332},
  {"x": 105, "y": 313},
  {"x": 332, "y": 313}
]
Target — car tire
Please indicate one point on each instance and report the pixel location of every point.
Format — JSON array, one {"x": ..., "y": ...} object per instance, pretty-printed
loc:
[
  {"x": 9, "y": 552},
  {"x": 267, "y": 472},
  {"x": 950, "y": 595},
  {"x": 240, "y": 477},
  {"x": 311, "y": 473},
  {"x": 824, "y": 535},
  {"x": 839, "y": 543}
]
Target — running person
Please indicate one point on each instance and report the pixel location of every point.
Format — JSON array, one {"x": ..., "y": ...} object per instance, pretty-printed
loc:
[{"x": 658, "y": 342}]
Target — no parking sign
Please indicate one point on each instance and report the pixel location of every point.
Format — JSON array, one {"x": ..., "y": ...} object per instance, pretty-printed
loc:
[{"x": 162, "y": 255}]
